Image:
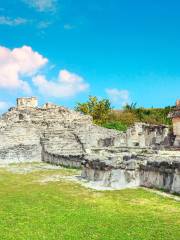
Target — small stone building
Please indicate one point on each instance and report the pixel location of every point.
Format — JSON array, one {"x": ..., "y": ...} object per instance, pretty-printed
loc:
[
  {"x": 175, "y": 115},
  {"x": 27, "y": 102}
]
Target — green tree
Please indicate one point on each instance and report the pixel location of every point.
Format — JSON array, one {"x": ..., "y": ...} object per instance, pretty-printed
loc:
[{"x": 98, "y": 109}]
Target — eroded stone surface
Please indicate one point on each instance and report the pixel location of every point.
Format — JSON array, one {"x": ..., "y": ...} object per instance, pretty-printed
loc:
[
  {"x": 52, "y": 132},
  {"x": 110, "y": 158},
  {"x": 152, "y": 169}
]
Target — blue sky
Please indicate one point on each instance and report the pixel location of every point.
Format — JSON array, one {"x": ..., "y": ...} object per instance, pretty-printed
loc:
[{"x": 126, "y": 50}]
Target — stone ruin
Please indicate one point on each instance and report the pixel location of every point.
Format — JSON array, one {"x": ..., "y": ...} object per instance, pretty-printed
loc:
[
  {"x": 142, "y": 156},
  {"x": 175, "y": 115},
  {"x": 27, "y": 102}
]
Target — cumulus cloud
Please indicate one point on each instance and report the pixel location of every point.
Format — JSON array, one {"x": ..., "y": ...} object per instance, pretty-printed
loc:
[
  {"x": 16, "y": 64},
  {"x": 67, "y": 85},
  {"x": 42, "y": 5},
  {"x": 118, "y": 97},
  {"x": 12, "y": 21}
]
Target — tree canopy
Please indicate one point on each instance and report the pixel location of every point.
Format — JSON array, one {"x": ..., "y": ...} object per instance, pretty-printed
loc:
[{"x": 98, "y": 109}]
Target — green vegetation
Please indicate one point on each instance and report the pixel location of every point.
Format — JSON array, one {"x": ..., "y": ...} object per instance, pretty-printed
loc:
[
  {"x": 150, "y": 115},
  {"x": 103, "y": 114},
  {"x": 98, "y": 109},
  {"x": 115, "y": 125},
  {"x": 64, "y": 210}
]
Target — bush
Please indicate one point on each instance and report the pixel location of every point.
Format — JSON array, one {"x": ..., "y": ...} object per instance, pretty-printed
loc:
[{"x": 98, "y": 109}]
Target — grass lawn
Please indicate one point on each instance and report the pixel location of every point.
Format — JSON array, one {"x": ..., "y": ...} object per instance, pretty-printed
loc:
[{"x": 64, "y": 210}]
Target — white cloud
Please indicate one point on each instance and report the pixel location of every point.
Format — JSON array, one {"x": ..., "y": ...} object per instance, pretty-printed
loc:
[
  {"x": 16, "y": 64},
  {"x": 12, "y": 21},
  {"x": 42, "y": 5},
  {"x": 118, "y": 97},
  {"x": 67, "y": 85}
]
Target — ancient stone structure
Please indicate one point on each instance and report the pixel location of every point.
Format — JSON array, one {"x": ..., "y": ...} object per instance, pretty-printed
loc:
[
  {"x": 27, "y": 132},
  {"x": 135, "y": 167},
  {"x": 61, "y": 136},
  {"x": 27, "y": 102},
  {"x": 175, "y": 115},
  {"x": 146, "y": 135}
]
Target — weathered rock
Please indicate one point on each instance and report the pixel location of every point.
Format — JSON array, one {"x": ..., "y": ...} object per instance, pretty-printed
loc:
[
  {"x": 153, "y": 169},
  {"x": 163, "y": 174},
  {"x": 64, "y": 137},
  {"x": 65, "y": 133},
  {"x": 39, "y": 129}
]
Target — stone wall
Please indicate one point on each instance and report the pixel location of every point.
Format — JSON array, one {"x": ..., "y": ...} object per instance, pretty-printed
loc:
[
  {"x": 152, "y": 169},
  {"x": 62, "y": 160},
  {"x": 176, "y": 130},
  {"x": 176, "y": 126},
  {"x": 146, "y": 135},
  {"x": 175, "y": 116},
  {"x": 163, "y": 175},
  {"x": 20, "y": 153},
  {"x": 111, "y": 178},
  {"x": 19, "y": 142}
]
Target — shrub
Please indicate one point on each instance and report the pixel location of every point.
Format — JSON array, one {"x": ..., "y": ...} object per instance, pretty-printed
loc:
[{"x": 98, "y": 109}]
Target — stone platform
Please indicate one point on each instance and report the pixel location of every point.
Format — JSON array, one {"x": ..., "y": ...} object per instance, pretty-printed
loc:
[{"x": 134, "y": 168}]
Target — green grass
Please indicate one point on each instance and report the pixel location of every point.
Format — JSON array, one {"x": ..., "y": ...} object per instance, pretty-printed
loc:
[
  {"x": 64, "y": 210},
  {"x": 115, "y": 125}
]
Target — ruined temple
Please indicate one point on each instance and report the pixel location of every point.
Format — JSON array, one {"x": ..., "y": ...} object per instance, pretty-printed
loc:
[{"x": 141, "y": 156}]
